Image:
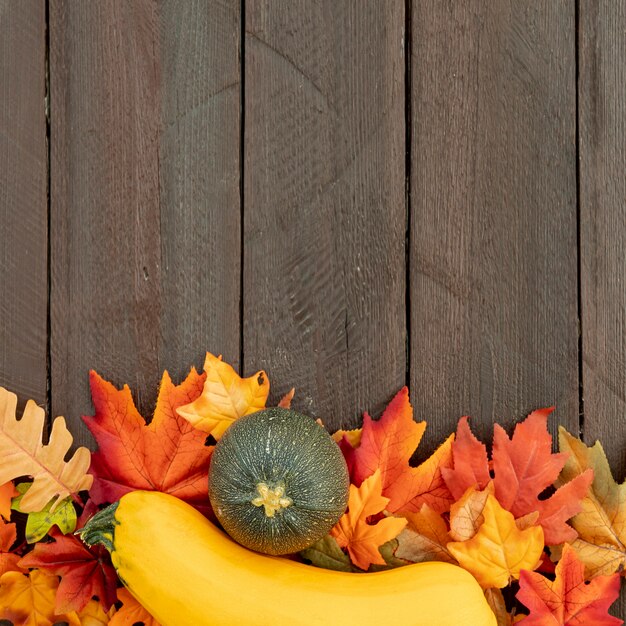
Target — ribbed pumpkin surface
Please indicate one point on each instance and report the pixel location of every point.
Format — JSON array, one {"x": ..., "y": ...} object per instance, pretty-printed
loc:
[{"x": 277, "y": 481}]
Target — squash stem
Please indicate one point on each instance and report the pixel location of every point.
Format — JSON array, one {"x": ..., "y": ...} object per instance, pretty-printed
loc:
[{"x": 100, "y": 528}]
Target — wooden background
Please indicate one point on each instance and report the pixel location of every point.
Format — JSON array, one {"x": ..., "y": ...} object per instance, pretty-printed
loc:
[{"x": 352, "y": 194}]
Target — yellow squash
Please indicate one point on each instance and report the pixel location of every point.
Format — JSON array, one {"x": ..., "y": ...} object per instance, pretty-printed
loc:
[{"x": 187, "y": 572}]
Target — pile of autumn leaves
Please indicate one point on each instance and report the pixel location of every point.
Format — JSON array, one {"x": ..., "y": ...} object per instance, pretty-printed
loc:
[{"x": 507, "y": 519}]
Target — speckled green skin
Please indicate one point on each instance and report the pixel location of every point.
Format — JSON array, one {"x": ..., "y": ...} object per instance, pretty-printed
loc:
[{"x": 277, "y": 446}]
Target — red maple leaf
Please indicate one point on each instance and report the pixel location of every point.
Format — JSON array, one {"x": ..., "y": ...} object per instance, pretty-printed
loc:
[
  {"x": 523, "y": 468},
  {"x": 471, "y": 465},
  {"x": 85, "y": 571},
  {"x": 167, "y": 455},
  {"x": 388, "y": 444},
  {"x": 568, "y": 600}
]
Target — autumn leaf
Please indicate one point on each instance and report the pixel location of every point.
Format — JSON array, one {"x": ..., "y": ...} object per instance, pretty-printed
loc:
[
  {"x": 353, "y": 531},
  {"x": 568, "y": 600},
  {"x": 285, "y": 401},
  {"x": 22, "y": 453},
  {"x": 466, "y": 515},
  {"x": 388, "y": 444},
  {"x": 167, "y": 455},
  {"x": 601, "y": 525},
  {"x": 39, "y": 524},
  {"x": 225, "y": 397},
  {"x": 28, "y": 600},
  {"x": 425, "y": 538},
  {"x": 85, "y": 572},
  {"x": 496, "y": 602},
  {"x": 131, "y": 612},
  {"x": 499, "y": 550},
  {"x": 470, "y": 463},
  {"x": 327, "y": 554},
  {"x": 94, "y": 614},
  {"x": 7, "y": 493},
  {"x": 523, "y": 467},
  {"x": 351, "y": 437},
  {"x": 8, "y": 560}
]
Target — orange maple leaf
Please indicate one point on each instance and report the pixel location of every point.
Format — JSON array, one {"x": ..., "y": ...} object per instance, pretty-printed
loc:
[
  {"x": 131, "y": 612},
  {"x": 225, "y": 397},
  {"x": 353, "y": 532},
  {"x": 425, "y": 538},
  {"x": 569, "y": 600},
  {"x": 94, "y": 614},
  {"x": 7, "y": 493},
  {"x": 388, "y": 444},
  {"x": 499, "y": 550},
  {"x": 8, "y": 560},
  {"x": 167, "y": 455},
  {"x": 28, "y": 600},
  {"x": 523, "y": 467}
]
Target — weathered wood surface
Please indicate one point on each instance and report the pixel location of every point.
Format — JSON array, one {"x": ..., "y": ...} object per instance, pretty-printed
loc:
[
  {"x": 145, "y": 193},
  {"x": 493, "y": 268},
  {"x": 602, "y": 137},
  {"x": 324, "y": 203},
  {"x": 23, "y": 201}
]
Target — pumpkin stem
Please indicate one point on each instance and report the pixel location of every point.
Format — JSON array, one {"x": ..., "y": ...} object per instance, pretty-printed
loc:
[
  {"x": 272, "y": 499},
  {"x": 100, "y": 528}
]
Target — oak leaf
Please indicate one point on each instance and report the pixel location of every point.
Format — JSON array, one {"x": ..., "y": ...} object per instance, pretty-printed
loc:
[
  {"x": 85, "y": 571},
  {"x": 225, "y": 397},
  {"x": 523, "y": 468},
  {"x": 601, "y": 525},
  {"x": 131, "y": 612},
  {"x": 22, "y": 453},
  {"x": 387, "y": 444},
  {"x": 425, "y": 538},
  {"x": 39, "y": 524},
  {"x": 167, "y": 455},
  {"x": 353, "y": 531},
  {"x": 28, "y": 600},
  {"x": 7, "y": 493},
  {"x": 497, "y": 553},
  {"x": 568, "y": 600}
]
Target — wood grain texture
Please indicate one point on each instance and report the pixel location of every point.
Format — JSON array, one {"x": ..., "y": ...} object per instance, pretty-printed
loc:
[
  {"x": 602, "y": 183},
  {"x": 324, "y": 203},
  {"x": 145, "y": 193},
  {"x": 23, "y": 200},
  {"x": 493, "y": 265},
  {"x": 602, "y": 110}
]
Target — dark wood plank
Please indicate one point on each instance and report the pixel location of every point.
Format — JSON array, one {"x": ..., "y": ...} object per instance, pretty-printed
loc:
[
  {"x": 23, "y": 200},
  {"x": 324, "y": 205},
  {"x": 493, "y": 265},
  {"x": 602, "y": 140},
  {"x": 145, "y": 192}
]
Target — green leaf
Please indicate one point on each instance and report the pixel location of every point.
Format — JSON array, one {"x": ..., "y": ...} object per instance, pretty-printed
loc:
[
  {"x": 388, "y": 552},
  {"x": 326, "y": 553},
  {"x": 39, "y": 524}
]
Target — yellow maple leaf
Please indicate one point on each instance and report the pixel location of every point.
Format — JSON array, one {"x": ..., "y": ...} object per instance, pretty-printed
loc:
[
  {"x": 94, "y": 615},
  {"x": 353, "y": 532},
  {"x": 352, "y": 436},
  {"x": 425, "y": 538},
  {"x": 22, "y": 453},
  {"x": 225, "y": 397},
  {"x": 601, "y": 525},
  {"x": 28, "y": 600},
  {"x": 499, "y": 550}
]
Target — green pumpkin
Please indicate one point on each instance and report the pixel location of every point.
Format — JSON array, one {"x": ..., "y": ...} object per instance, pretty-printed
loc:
[{"x": 277, "y": 482}]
